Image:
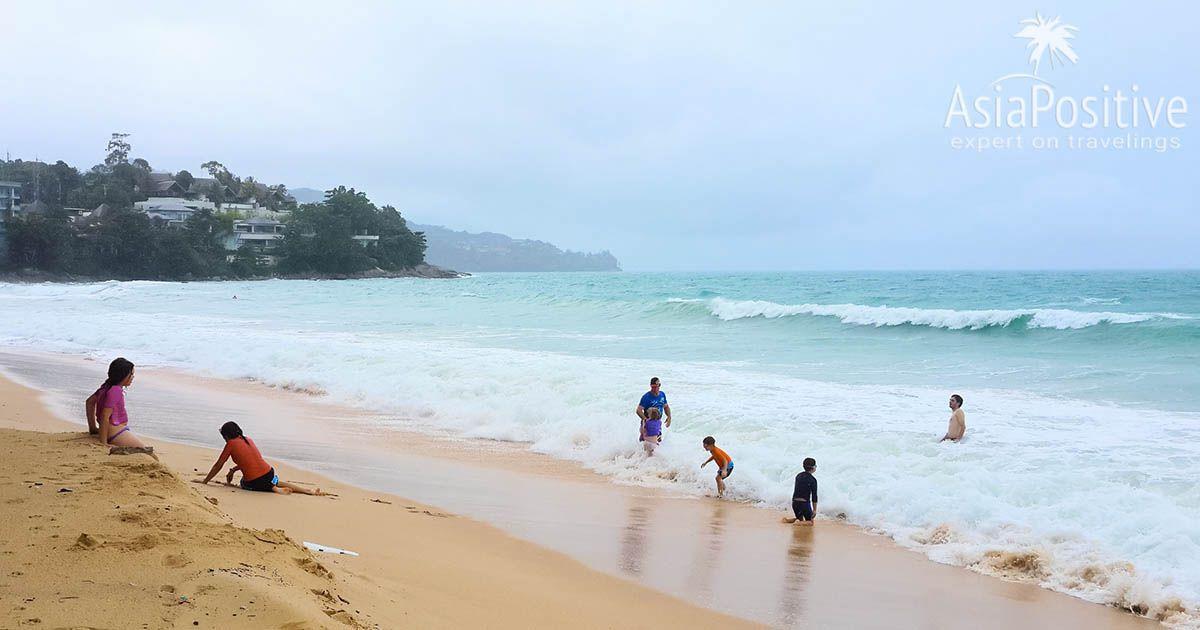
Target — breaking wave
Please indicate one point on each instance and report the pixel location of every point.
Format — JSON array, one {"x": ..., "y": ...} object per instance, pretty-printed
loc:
[{"x": 950, "y": 319}]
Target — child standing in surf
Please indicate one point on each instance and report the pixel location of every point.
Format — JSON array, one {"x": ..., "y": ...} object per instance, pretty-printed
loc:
[
  {"x": 724, "y": 463},
  {"x": 651, "y": 430}
]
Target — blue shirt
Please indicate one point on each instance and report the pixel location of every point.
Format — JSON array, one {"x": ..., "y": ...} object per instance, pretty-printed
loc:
[{"x": 650, "y": 400}]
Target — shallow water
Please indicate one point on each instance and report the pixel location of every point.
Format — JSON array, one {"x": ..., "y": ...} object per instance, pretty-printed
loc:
[{"x": 723, "y": 555}]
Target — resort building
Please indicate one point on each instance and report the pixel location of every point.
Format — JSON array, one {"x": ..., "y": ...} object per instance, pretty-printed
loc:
[
  {"x": 10, "y": 197},
  {"x": 261, "y": 235},
  {"x": 366, "y": 240},
  {"x": 172, "y": 211}
]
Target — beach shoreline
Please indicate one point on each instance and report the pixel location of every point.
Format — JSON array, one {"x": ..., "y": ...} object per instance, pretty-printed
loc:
[
  {"x": 731, "y": 537},
  {"x": 463, "y": 573}
]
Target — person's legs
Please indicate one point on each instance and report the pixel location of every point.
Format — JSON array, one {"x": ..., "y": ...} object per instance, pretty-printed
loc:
[
  {"x": 651, "y": 442},
  {"x": 279, "y": 490},
  {"x": 803, "y": 511},
  {"x": 720, "y": 484},
  {"x": 128, "y": 439},
  {"x": 298, "y": 488}
]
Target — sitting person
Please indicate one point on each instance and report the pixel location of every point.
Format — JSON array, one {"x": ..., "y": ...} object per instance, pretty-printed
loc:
[
  {"x": 804, "y": 497},
  {"x": 257, "y": 474},
  {"x": 106, "y": 415}
]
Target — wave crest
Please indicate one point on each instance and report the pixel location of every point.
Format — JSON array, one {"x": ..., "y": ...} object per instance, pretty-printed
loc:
[{"x": 950, "y": 319}]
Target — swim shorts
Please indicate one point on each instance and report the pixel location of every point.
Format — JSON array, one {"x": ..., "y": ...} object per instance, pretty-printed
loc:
[{"x": 265, "y": 483}]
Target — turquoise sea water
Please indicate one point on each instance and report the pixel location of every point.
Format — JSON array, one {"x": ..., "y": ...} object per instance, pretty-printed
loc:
[{"x": 1082, "y": 389}]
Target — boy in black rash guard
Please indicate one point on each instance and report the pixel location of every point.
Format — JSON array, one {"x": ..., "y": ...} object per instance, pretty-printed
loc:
[{"x": 804, "y": 498}]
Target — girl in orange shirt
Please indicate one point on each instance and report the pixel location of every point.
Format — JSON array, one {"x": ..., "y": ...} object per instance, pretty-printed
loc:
[{"x": 257, "y": 474}]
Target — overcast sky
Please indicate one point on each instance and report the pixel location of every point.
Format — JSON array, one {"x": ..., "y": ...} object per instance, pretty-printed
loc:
[{"x": 683, "y": 135}]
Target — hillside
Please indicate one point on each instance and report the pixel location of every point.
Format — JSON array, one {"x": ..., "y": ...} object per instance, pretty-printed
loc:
[{"x": 488, "y": 251}]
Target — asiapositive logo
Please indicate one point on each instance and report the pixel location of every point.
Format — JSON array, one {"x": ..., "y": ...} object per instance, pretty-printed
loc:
[{"x": 1110, "y": 118}]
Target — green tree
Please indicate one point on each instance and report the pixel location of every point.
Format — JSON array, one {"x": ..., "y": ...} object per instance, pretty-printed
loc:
[
  {"x": 174, "y": 258},
  {"x": 117, "y": 151},
  {"x": 215, "y": 193},
  {"x": 40, "y": 242},
  {"x": 206, "y": 232},
  {"x": 124, "y": 244},
  {"x": 399, "y": 247},
  {"x": 184, "y": 179},
  {"x": 52, "y": 184},
  {"x": 222, "y": 174},
  {"x": 319, "y": 239},
  {"x": 320, "y": 236},
  {"x": 247, "y": 263},
  {"x": 248, "y": 190}
]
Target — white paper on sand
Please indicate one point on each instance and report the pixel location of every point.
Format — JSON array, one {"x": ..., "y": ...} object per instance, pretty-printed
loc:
[{"x": 322, "y": 548}]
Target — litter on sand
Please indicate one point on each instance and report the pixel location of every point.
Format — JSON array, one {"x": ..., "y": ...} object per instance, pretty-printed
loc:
[{"x": 322, "y": 548}]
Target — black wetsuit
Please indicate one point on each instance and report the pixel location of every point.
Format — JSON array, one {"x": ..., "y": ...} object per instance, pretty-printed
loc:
[{"x": 805, "y": 496}]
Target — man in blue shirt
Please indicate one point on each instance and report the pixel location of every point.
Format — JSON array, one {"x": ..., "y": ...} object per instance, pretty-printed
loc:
[{"x": 653, "y": 399}]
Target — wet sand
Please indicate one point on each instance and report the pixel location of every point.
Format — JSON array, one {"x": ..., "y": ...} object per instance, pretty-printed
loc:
[
  {"x": 133, "y": 544},
  {"x": 721, "y": 555}
]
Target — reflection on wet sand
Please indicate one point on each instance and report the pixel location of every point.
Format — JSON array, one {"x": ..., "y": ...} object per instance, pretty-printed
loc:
[
  {"x": 796, "y": 577},
  {"x": 633, "y": 536},
  {"x": 710, "y": 541}
]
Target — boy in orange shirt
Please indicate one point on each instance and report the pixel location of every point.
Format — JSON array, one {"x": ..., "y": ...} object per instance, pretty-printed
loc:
[{"x": 724, "y": 463}]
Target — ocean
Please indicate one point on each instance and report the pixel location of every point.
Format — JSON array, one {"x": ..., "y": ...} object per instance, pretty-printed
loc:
[{"x": 1082, "y": 390}]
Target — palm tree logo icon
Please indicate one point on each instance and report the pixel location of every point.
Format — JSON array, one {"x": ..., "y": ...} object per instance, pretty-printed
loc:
[{"x": 1048, "y": 37}]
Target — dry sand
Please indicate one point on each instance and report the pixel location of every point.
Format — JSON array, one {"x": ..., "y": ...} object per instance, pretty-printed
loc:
[{"x": 132, "y": 539}]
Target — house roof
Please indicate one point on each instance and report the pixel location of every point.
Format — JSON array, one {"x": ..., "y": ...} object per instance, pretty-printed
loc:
[
  {"x": 166, "y": 185},
  {"x": 169, "y": 207},
  {"x": 201, "y": 186}
]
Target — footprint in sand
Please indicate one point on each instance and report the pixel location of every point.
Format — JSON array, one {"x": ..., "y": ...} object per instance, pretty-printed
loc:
[{"x": 176, "y": 560}]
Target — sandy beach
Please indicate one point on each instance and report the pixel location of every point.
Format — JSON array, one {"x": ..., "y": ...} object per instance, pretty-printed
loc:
[
  {"x": 487, "y": 535},
  {"x": 134, "y": 545}
]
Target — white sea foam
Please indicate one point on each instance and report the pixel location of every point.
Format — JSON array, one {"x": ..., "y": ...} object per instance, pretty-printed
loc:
[
  {"x": 1096, "y": 500},
  {"x": 1061, "y": 319}
]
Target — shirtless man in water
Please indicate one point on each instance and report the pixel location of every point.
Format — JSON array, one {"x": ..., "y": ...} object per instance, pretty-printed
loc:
[{"x": 958, "y": 420}]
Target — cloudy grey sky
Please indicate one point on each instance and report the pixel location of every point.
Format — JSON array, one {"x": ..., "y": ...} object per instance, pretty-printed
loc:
[{"x": 679, "y": 135}]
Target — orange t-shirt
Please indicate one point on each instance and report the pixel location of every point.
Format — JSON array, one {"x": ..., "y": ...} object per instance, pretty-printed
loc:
[
  {"x": 721, "y": 457},
  {"x": 246, "y": 456}
]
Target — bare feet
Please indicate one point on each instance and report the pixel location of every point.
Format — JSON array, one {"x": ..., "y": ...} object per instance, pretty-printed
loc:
[{"x": 281, "y": 490}]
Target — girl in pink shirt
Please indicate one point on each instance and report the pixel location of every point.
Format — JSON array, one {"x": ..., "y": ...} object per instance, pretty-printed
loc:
[{"x": 106, "y": 408}]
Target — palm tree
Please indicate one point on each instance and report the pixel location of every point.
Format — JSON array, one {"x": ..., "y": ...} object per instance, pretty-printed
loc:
[{"x": 1050, "y": 36}]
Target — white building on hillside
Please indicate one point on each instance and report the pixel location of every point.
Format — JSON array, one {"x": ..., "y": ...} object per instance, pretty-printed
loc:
[
  {"x": 10, "y": 196},
  {"x": 261, "y": 235}
]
